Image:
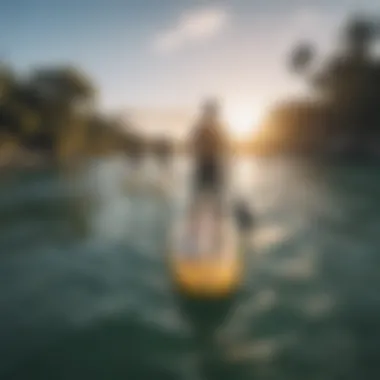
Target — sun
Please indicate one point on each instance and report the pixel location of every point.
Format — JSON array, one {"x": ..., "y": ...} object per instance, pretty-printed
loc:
[{"x": 243, "y": 120}]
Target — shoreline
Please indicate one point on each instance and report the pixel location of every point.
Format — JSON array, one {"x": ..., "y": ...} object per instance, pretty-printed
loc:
[{"x": 35, "y": 160}]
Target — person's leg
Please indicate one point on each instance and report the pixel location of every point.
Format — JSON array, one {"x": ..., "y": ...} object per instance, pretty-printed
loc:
[
  {"x": 200, "y": 178},
  {"x": 243, "y": 215},
  {"x": 208, "y": 177}
]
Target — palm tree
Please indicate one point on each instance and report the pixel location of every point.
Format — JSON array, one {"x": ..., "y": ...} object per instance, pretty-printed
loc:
[
  {"x": 359, "y": 34},
  {"x": 349, "y": 81},
  {"x": 302, "y": 57}
]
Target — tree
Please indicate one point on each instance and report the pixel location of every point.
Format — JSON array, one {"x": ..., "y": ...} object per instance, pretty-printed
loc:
[
  {"x": 60, "y": 94},
  {"x": 302, "y": 57},
  {"x": 349, "y": 80},
  {"x": 360, "y": 34},
  {"x": 53, "y": 109}
]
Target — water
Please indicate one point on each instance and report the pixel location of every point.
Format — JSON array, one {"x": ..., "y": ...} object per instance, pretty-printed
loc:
[{"x": 85, "y": 292}]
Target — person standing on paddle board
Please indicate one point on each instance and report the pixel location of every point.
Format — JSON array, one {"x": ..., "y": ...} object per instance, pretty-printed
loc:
[
  {"x": 209, "y": 145},
  {"x": 211, "y": 148}
]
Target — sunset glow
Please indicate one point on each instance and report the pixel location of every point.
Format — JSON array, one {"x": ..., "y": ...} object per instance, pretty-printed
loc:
[{"x": 243, "y": 120}]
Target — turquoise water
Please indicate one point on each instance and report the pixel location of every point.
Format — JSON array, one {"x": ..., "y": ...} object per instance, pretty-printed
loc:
[{"x": 85, "y": 292}]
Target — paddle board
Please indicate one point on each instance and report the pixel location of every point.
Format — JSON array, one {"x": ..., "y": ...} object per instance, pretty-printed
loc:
[{"x": 205, "y": 255}]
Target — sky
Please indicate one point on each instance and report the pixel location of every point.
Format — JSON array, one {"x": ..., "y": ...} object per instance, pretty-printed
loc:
[{"x": 170, "y": 54}]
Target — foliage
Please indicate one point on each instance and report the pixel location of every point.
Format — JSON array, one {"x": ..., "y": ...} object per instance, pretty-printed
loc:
[
  {"x": 53, "y": 109},
  {"x": 345, "y": 109}
]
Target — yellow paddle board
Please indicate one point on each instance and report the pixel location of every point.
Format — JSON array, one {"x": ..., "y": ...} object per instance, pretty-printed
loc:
[{"x": 206, "y": 258}]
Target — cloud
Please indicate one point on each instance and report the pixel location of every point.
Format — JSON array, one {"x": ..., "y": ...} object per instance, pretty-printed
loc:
[{"x": 193, "y": 26}]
